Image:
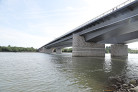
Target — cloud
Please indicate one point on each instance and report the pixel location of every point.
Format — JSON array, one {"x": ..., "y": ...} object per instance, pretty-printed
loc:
[
  {"x": 70, "y": 8},
  {"x": 16, "y": 38},
  {"x": 133, "y": 45}
]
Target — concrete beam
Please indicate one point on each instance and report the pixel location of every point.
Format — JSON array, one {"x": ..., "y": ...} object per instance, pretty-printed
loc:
[
  {"x": 119, "y": 50},
  {"x": 83, "y": 48}
]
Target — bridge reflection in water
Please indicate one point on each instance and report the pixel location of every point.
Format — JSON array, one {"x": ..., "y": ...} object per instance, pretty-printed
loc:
[{"x": 93, "y": 72}]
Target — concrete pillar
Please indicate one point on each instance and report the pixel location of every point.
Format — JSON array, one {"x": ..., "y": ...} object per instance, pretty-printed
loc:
[
  {"x": 58, "y": 50},
  {"x": 49, "y": 51},
  {"x": 83, "y": 48},
  {"x": 42, "y": 50},
  {"x": 119, "y": 50}
]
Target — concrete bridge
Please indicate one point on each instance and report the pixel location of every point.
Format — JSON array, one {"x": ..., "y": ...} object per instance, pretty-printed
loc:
[{"x": 117, "y": 26}]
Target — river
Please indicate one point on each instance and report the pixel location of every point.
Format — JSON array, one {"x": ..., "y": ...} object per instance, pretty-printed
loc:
[{"x": 39, "y": 72}]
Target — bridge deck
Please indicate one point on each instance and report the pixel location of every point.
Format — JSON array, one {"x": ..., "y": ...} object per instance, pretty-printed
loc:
[{"x": 106, "y": 21}]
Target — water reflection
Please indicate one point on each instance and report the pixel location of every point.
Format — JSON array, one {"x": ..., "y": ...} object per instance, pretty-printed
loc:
[
  {"x": 92, "y": 72},
  {"x": 37, "y": 72},
  {"x": 119, "y": 65},
  {"x": 89, "y": 72}
]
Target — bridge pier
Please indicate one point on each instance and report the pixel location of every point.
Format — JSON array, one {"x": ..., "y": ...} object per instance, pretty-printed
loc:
[
  {"x": 83, "y": 48},
  {"x": 58, "y": 50},
  {"x": 119, "y": 50},
  {"x": 42, "y": 50},
  {"x": 45, "y": 50},
  {"x": 49, "y": 51}
]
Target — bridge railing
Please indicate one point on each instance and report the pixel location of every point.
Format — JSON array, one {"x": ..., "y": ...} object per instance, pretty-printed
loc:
[{"x": 109, "y": 11}]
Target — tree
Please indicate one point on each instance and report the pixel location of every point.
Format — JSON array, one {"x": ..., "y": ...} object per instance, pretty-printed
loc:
[{"x": 16, "y": 49}]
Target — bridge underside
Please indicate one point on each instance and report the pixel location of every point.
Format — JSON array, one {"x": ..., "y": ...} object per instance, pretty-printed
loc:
[{"x": 119, "y": 33}]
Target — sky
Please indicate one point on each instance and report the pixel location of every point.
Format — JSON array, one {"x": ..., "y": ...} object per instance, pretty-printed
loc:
[{"x": 33, "y": 23}]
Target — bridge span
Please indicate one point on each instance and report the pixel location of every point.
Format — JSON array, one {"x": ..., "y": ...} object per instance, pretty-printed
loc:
[{"x": 117, "y": 26}]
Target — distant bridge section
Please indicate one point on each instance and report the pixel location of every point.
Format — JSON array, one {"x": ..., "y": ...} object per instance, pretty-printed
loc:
[{"x": 117, "y": 26}]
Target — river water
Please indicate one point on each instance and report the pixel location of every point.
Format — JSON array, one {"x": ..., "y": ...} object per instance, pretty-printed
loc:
[{"x": 39, "y": 72}]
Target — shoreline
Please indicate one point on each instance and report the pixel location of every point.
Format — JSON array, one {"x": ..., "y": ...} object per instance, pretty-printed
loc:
[{"x": 121, "y": 84}]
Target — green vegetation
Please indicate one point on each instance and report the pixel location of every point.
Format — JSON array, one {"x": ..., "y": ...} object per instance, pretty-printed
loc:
[
  {"x": 107, "y": 50},
  {"x": 132, "y": 51},
  {"x": 67, "y": 50},
  {"x": 31, "y": 49},
  {"x": 16, "y": 49}
]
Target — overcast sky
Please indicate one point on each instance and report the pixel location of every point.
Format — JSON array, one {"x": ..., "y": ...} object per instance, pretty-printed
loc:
[{"x": 33, "y": 23}]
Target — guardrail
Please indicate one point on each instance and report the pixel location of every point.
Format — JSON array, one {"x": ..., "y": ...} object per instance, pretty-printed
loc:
[{"x": 109, "y": 11}]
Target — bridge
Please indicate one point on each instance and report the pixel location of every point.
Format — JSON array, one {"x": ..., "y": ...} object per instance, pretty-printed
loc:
[{"x": 117, "y": 26}]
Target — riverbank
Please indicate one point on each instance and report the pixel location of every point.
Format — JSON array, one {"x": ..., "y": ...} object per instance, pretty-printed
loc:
[{"x": 120, "y": 84}]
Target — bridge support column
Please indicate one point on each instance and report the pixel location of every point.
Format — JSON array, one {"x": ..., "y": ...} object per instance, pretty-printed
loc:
[
  {"x": 119, "y": 50},
  {"x": 42, "y": 50},
  {"x": 83, "y": 48},
  {"x": 49, "y": 51},
  {"x": 58, "y": 50}
]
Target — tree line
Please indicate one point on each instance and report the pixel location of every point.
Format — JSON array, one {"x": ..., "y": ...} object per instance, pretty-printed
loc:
[
  {"x": 31, "y": 49},
  {"x": 107, "y": 50},
  {"x": 16, "y": 49}
]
